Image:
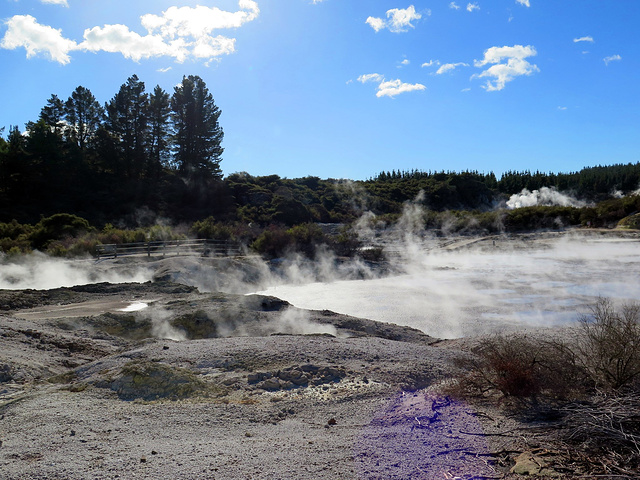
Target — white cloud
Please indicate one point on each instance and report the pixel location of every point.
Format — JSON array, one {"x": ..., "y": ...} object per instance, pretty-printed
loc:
[
  {"x": 472, "y": 6},
  {"x": 371, "y": 77},
  {"x": 398, "y": 20},
  {"x": 199, "y": 21},
  {"x": 524, "y": 2},
  {"x": 405, "y": 62},
  {"x": 119, "y": 39},
  {"x": 612, "y": 58},
  {"x": 447, "y": 67},
  {"x": 454, "y": 5},
  {"x": 376, "y": 23},
  {"x": 562, "y": 108},
  {"x": 431, "y": 63},
  {"x": 164, "y": 70},
  {"x": 56, "y": 2},
  {"x": 390, "y": 88},
  {"x": 583, "y": 39},
  {"x": 25, "y": 31},
  {"x": 507, "y": 64},
  {"x": 180, "y": 33}
]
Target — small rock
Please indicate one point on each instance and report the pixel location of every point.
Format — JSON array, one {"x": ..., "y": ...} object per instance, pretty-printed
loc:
[
  {"x": 528, "y": 464},
  {"x": 153, "y": 452},
  {"x": 331, "y": 421},
  {"x": 143, "y": 460},
  {"x": 271, "y": 385}
]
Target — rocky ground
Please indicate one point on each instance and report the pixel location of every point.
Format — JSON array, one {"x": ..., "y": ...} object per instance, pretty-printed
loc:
[{"x": 159, "y": 380}]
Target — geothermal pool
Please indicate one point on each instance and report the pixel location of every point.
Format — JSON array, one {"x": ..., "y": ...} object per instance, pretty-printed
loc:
[{"x": 462, "y": 293}]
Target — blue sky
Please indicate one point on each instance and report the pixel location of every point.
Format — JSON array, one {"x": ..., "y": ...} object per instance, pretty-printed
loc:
[{"x": 346, "y": 89}]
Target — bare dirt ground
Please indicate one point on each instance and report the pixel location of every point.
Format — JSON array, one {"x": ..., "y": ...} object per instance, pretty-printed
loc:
[{"x": 159, "y": 380}]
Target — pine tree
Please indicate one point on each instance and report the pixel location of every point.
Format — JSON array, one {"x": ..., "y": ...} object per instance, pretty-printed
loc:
[
  {"x": 127, "y": 121},
  {"x": 197, "y": 133},
  {"x": 83, "y": 115},
  {"x": 159, "y": 130}
]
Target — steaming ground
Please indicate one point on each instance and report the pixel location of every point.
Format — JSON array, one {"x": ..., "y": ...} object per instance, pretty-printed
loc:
[
  {"x": 479, "y": 286},
  {"x": 158, "y": 379}
]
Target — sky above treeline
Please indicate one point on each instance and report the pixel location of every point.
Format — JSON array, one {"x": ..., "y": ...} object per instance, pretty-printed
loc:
[{"x": 347, "y": 89}]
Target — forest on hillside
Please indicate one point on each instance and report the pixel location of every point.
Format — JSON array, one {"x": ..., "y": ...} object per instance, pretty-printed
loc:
[{"x": 147, "y": 158}]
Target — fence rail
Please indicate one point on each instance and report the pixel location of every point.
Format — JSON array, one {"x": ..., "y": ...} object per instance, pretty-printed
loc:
[{"x": 212, "y": 248}]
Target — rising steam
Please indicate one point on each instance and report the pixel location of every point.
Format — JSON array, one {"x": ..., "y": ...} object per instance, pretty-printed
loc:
[
  {"x": 41, "y": 272},
  {"x": 548, "y": 197}
]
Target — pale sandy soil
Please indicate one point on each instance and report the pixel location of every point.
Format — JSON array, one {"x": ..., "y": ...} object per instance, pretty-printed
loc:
[{"x": 254, "y": 389}]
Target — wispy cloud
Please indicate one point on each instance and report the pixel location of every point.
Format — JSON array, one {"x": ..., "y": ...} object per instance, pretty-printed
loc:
[
  {"x": 583, "y": 39},
  {"x": 447, "y": 67},
  {"x": 524, "y": 2},
  {"x": 506, "y": 63},
  {"x": 454, "y": 5},
  {"x": 472, "y": 6},
  {"x": 431, "y": 63},
  {"x": 612, "y": 58},
  {"x": 179, "y": 32},
  {"x": 56, "y": 2},
  {"x": 370, "y": 77},
  {"x": 390, "y": 88},
  {"x": 398, "y": 20}
]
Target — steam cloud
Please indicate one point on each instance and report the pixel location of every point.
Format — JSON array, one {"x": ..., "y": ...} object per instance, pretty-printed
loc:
[
  {"x": 544, "y": 197},
  {"x": 41, "y": 272}
]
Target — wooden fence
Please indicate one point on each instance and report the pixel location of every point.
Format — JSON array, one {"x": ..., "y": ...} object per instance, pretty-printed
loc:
[{"x": 208, "y": 248}]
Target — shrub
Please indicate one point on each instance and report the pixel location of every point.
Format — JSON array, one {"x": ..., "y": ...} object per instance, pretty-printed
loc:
[
  {"x": 210, "y": 229},
  {"x": 521, "y": 367},
  {"x": 607, "y": 345},
  {"x": 306, "y": 238},
  {"x": 273, "y": 242},
  {"x": 58, "y": 227},
  {"x": 14, "y": 230}
]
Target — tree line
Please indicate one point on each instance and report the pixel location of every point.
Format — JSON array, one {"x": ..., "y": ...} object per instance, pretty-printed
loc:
[
  {"x": 145, "y": 155},
  {"x": 590, "y": 183},
  {"x": 136, "y": 149}
]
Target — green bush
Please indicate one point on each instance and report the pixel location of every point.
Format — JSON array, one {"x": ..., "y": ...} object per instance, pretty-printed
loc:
[
  {"x": 14, "y": 230},
  {"x": 58, "y": 227},
  {"x": 273, "y": 242}
]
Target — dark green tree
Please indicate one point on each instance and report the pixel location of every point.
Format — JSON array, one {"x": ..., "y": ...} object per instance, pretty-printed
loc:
[
  {"x": 197, "y": 132},
  {"x": 159, "y": 130},
  {"x": 53, "y": 114},
  {"x": 127, "y": 121},
  {"x": 83, "y": 115}
]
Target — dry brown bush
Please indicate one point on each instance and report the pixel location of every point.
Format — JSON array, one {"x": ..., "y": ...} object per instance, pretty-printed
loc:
[
  {"x": 521, "y": 367},
  {"x": 607, "y": 345}
]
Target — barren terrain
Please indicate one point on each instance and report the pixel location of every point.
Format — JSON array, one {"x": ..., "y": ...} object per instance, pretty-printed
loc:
[{"x": 160, "y": 380}]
